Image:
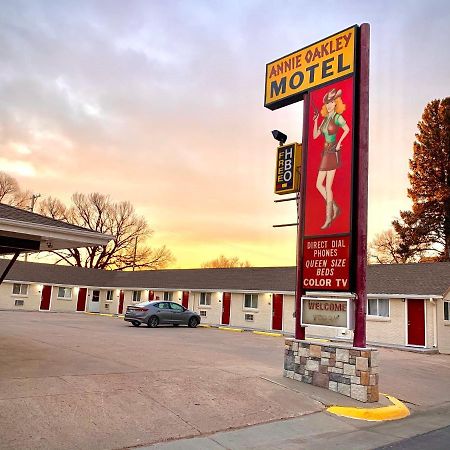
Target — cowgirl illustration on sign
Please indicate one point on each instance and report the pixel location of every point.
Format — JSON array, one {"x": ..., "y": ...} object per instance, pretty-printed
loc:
[{"x": 331, "y": 111}]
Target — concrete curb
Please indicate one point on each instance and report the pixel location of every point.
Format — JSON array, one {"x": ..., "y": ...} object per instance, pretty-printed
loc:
[{"x": 395, "y": 411}]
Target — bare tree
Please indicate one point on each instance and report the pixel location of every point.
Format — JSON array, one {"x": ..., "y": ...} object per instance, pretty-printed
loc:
[
  {"x": 388, "y": 248},
  {"x": 98, "y": 213},
  {"x": 224, "y": 262},
  {"x": 10, "y": 192}
]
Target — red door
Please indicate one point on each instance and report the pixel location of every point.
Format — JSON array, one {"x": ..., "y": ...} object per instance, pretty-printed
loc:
[
  {"x": 185, "y": 299},
  {"x": 45, "y": 298},
  {"x": 121, "y": 298},
  {"x": 151, "y": 296},
  {"x": 277, "y": 312},
  {"x": 416, "y": 322},
  {"x": 81, "y": 303},
  {"x": 226, "y": 305}
]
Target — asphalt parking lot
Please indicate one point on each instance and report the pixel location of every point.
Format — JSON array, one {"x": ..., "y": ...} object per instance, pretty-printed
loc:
[{"x": 82, "y": 381}]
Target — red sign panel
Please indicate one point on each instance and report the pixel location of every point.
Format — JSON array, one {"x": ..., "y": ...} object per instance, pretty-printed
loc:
[
  {"x": 326, "y": 263},
  {"x": 329, "y": 162},
  {"x": 328, "y": 188}
]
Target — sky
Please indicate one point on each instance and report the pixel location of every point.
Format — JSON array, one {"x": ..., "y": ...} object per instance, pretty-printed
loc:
[{"x": 162, "y": 103}]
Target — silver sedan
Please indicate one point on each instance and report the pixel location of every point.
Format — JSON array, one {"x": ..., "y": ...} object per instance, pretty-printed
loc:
[{"x": 161, "y": 312}]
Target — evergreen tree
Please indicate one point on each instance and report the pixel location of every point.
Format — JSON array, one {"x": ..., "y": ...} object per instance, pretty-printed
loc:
[{"x": 426, "y": 227}]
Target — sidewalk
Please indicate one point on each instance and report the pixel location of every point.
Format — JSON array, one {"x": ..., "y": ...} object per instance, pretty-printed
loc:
[{"x": 317, "y": 431}]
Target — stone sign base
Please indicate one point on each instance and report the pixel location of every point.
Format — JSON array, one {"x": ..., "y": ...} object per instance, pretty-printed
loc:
[{"x": 348, "y": 370}]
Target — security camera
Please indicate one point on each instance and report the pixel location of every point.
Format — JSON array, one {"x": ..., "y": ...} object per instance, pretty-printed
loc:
[{"x": 279, "y": 136}]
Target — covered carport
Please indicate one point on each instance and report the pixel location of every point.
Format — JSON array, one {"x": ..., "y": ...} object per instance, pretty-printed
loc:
[{"x": 27, "y": 232}]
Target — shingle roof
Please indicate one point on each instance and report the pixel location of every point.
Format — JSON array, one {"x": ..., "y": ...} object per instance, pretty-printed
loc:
[
  {"x": 21, "y": 215},
  {"x": 55, "y": 274},
  {"x": 402, "y": 279},
  {"x": 247, "y": 279},
  {"x": 420, "y": 279}
]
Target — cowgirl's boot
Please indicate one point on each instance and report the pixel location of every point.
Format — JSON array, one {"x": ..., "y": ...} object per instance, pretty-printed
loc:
[
  {"x": 329, "y": 217},
  {"x": 336, "y": 210}
]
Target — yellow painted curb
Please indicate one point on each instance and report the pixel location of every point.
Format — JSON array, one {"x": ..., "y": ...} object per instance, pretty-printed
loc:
[
  {"x": 238, "y": 330},
  {"x": 107, "y": 315},
  {"x": 204, "y": 325},
  {"x": 392, "y": 412},
  {"x": 267, "y": 333},
  {"x": 318, "y": 340},
  {"x": 90, "y": 313}
]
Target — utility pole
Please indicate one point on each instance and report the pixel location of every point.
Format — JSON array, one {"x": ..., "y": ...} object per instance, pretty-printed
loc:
[
  {"x": 134, "y": 254},
  {"x": 33, "y": 199}
]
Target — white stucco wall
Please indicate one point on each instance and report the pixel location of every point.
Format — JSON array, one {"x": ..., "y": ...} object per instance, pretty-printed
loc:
[
  {"x": 213, "y": 311},
  {"x": 288, "y": 313},
  {"x": 443, "y": 326},
  {"x": 62, "y": 304},
  {"x": 262, "y": 315},
  {"x": 31, "y": 301}
]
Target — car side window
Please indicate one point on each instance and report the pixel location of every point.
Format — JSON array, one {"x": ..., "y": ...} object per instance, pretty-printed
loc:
[
  {"x": 164, "y": 305},
  {"x": 176, "y": 307}
]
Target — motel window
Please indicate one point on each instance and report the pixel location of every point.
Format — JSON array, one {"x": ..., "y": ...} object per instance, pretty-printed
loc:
[
  {"x": 136, "y": 296},
  {"x": 109, "y": 295},
  {"x": 251, "y": 301},
  {"x": 20, "y": 289},
  {"x": 168, "y": 296},
  {"x": 446, "y": 310},
  {"x": 378, "y": 307},
  {"x": 205, "y": 298},
  {"x": 65, "y": 293}
]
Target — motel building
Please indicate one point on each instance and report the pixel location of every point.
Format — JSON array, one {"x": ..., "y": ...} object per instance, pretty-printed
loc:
[{"x": 408, "y": 304}]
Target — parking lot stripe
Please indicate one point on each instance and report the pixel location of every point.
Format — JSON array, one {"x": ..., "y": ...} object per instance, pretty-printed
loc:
[
  {"x": 268, "y": 333},
  {"x": 238, "y": 330}
]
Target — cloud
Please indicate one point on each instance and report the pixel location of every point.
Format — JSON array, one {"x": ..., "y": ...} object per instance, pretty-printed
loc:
[{"x": 161, "y": 103}]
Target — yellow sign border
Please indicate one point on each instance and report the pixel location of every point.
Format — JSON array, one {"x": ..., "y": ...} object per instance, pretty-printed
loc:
[
  {"x": 302, "y": 73},
  {"x": 296, "y": 173}
]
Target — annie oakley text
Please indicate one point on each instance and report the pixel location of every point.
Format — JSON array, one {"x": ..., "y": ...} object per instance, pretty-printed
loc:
[{"x": 326, "y": 263}]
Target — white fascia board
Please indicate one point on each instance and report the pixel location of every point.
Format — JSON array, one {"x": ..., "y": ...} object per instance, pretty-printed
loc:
[
  {"x": 81, "y": 286},
  {"x": 81, "y": 237},
  {"x": 400, "y": 296},
  {"x": 231, "y": 291}
]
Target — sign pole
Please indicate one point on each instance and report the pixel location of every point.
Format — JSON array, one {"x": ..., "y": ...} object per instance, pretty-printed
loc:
[
  {"x": 359, "y": 337},
  {"x": 299, "y": 291}
]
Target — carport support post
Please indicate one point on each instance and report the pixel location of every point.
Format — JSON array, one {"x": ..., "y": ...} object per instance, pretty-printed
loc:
[
  {"x": 8, "y": 267},
  {"x": 362, "y": 164}
]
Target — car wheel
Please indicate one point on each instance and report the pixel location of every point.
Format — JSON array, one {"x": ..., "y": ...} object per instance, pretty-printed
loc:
[
  {"x": 136, "y": 323},
  {"x": 193, "y": 322},
  {"x": 176, "y": 324},
  {"x": 153, "y": 322}
]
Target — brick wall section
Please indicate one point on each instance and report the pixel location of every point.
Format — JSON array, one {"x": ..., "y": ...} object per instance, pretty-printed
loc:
[{"x": 348, "y": 370}]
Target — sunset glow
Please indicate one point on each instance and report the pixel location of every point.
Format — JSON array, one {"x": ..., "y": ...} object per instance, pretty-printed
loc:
[{"x": 161, "y": 103}]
